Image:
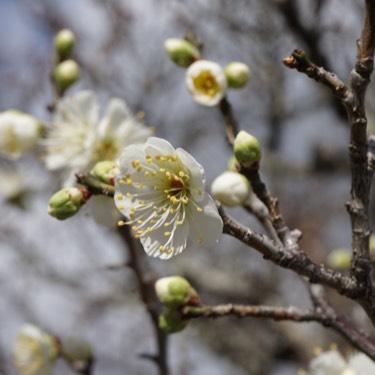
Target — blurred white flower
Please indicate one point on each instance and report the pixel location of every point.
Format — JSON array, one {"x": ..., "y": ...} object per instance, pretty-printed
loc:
[
  {"x": 332, "y": 363},
  {"x": 34, "y": 351},
  {"x": 78, "y": 139},
  {"x": 161, "y": 191},
  {"x": 19, "y": 133},
  {"x": 231, "y": 189},
  {"x": 206, "y": 82}
]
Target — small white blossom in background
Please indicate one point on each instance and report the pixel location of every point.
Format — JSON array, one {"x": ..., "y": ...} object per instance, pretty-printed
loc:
[
  {"x": 206, "y": 82},
  {"x": 34, "y": 351},
  {"x": 161, "y": 192},
  {"x": 333, "y": 363},
  {"x": 231, "y": 189},
  {"x": 19, "y": 133},
  {"x": 78, "y": 138}
]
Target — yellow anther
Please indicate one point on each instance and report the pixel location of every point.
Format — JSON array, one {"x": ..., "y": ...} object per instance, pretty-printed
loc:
[
  {"x": 162, "y": 170},
  {"x": 200, "y": 240},
  {"x": 164, "y": 209},
  {"x": 153, "y": 173},
  {"x": 140, "y": 231},
  {"x": 179, "y": 222},
  {"x": 129, "y": 181},
  {"x": 167, "y": 234},
  {"x": 154, "y": 208},
  {"x": 132, "y": 208},
  {"x": 157, "y": 157},
  {"x": 121, "y": 207},
  {"x": 121, "y": 223},
  {"x": 120, "y": 197},
  {"x": 161, "y": 248},
  {"x": 185, "y": 200},
  {"x": 139, "y": 221},
  {"x": 199, "y": 209},
  {"x": 172, "y": 210},
  {"x": 181, "y": 174},
  {"x": 141, "y": 185},
  {"x": 167, "y": 224},
  {"x": 169, "y": 251},
  {"x": 131, "y": 215},
  {"x": 163, "y": 158},
  {"x": 147, "y": 173},
  {"x": 128, "y": 195},
  {"x": 152, "y": 221},
  {"x": 168, "y": 174},
  {"x": 121, "y": 182},
  {"x": 134, "y": 228},
  {"x": 149, "y": 229},
  {"x": 139, "y": 169},
  {"x": 137, "y": 236},
  {"x": 135, "y": 163},
  {"x": 148, "y": 159}
]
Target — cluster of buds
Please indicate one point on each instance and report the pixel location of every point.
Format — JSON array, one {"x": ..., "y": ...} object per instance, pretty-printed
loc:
[
  {"x": 105, "y": 171},
  {"x": 206, "y": 80},
  {"x": 36, "y": 351},
  {"x": 66, "y": 71},
  {"x": 174, "y": 293}
]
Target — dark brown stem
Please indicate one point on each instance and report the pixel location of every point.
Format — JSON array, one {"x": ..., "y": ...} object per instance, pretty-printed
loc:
[
  {"x": 148, "y": 296},
  {"x": 231, "y": 127}
]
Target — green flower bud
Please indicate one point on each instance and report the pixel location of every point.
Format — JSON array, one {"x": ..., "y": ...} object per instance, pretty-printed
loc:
[
  {"x": 232, "y": 164},
  {"x": 231, "y": 189},
  {"x": 247, "y": 149},
  {"x": 66, "y": 73},
  {"x": 171, "y": 321},
  {"x": 175, "y": 292},
  {"x": 181, "y": 52},
  {"x": 237, "y": 74},
  {"x": 67, "y": 202},
  {"x": 105, "y": 171},
  {"x": 76, "y": 349},
  {"x": 64, "y": 43},
  {"x": 339, "y": 259}
]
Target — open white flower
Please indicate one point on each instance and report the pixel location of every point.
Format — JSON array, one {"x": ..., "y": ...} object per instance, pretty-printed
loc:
[
  {"x": 78, "y": 138},
  {"x": 19, "y": 133},
  {"x": 332, "y": 363},
  {"x": 34, "y": 351},
  {"x": 161, "y": 192},
  {"x": 206, "y": 82}
]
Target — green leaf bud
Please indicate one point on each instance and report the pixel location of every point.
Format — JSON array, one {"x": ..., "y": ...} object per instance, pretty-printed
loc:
[
  {"x": 247, "y": 149},
  {"x": 105, "y": 171},
  {"x": 181, "y": 52},
  {"x": 67, "y": 202},
  {"x": 237, "y": 74},
  {"x": 66, "y": 73},
  {"x": 76, "y": 349},
  {"x": 339, "y": 259},
  {"x": 64, "y": 43},
  {"x": 231, "y": 189},
  {"x": 175, "y": 292},
  {"x": 171, "y": 321}
]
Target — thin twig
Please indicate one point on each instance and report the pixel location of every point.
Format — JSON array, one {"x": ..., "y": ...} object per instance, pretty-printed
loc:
[{"x": 231, "y": 127}]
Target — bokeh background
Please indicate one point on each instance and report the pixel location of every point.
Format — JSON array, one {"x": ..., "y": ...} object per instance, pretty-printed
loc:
[{"x": 57, "y": 275}]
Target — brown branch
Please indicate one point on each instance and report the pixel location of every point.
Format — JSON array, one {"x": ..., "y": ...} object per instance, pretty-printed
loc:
[
  {"x": 297, "y": 261},
  {"x": 231, "y": 127},
  {"x": 148, "y": 296}
]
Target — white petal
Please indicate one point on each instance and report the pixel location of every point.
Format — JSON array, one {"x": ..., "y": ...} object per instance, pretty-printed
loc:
[
  {"x": 362, "y": 364},
  {"x": 327, "y": 363},
  {"x": 117, "y": 113},
  {"x": 157, "y": 146},
  {"x": 197, "y": 175},
  {"x": 206, "y": 226}
]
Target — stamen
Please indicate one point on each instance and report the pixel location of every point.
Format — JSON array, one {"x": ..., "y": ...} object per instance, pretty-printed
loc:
[{"x": 121, "y": 223}]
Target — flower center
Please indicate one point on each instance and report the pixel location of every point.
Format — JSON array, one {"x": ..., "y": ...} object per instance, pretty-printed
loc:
[
  {"x": 106, "y": 150},
  {"x": 206, "y": 83}
]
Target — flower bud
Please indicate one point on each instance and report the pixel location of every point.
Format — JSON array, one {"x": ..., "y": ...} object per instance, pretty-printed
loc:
[
  {"x": 237, "y": 74},
  {"x": 171, "y": 321},
  {"x": 66, "y": 73},
  {"x": 19, "y": 133},
  {"x": 247, "y": 149},
  {"x": 105, "y": 171},
  {"x": 232, "y": 164},
  {"x": 76, "y": 349},
  {"x": 64, "y": 43},
  {"x": 67, "y": 202},
  {"x": 339, "y": 259},
  {"x": 181, "y": 52},
  {"x": 231, "y": 189},
  {"x": 34, "y": 351},
  {"x": 175, "y": 292}
]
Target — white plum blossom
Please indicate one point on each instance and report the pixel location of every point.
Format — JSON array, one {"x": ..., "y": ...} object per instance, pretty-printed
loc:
[
  {"x": 206, "y": 82},
  {"x": 332, "y": 363},
  {"x": 34, "y": 351},
  {"x": 161, "y": 192},
  {"x": 19, "y": 133},
  {"x": 78, "y": 138}
]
